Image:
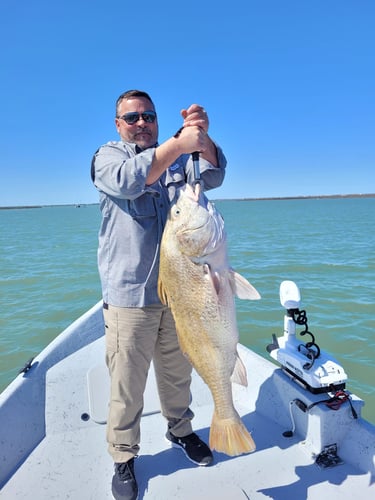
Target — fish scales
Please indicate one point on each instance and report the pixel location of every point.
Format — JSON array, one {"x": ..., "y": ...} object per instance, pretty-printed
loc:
[{"x": 196, "y": 282}]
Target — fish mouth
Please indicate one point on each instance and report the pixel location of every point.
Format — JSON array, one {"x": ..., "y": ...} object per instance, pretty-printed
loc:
[
  {"x": 194, "y": 191},
  {"x": 209, "y": 220},
  {"x": 202, "y": 245},
  {"x": 194, "y": 228}
]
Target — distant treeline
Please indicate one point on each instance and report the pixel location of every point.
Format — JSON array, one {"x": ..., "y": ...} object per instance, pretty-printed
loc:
[{"x": 308, "y": 197}]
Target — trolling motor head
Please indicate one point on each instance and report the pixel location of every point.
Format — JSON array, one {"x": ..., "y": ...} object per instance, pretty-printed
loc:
[
  {"x": 305, "y": 363},
  {"x": 290, "y": 296}
]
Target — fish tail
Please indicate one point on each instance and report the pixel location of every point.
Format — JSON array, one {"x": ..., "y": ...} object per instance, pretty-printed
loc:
[{"x": 230, "y": 436}]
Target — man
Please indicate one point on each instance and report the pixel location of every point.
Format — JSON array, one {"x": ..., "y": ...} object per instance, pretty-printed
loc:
[{"x": 137, "y": 179}]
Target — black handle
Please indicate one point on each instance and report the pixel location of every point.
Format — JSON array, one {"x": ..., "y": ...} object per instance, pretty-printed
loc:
[{"x": 197, "y": 173}]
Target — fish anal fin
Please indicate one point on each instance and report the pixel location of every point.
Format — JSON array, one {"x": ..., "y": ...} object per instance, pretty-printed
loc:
[
  {"x": 230, "y": 436},
  {"x": 241, "y": 287},
  {"x": 239, "y": 375}
]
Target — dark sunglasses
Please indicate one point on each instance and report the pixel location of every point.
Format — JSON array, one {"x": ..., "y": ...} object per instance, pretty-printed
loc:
[{"x": 133, "y": 117}]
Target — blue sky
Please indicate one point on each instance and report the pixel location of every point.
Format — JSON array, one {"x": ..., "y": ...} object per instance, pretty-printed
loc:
[{"x": 289, "y": 87}]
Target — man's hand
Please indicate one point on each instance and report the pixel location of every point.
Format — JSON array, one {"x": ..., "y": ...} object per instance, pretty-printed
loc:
[{"x": 195, "y": 115}]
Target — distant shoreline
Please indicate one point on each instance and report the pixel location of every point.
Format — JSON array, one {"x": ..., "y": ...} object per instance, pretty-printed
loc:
[
  {"x": 271, "y": 198},
  {"x": 22, "y": 207},
  {"x": 307, "y": 197}
]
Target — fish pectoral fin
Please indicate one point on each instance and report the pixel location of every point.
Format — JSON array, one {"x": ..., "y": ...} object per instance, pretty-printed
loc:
[
  {"x": 239, "y": 375},
  {"x": 213, "y": 277},
  {"x": 163, "y": 296},
  {"x": 241, "y": 287}
]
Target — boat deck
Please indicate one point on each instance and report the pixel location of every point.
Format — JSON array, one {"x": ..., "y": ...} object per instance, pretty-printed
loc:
[{"x": 72, "y": 462}]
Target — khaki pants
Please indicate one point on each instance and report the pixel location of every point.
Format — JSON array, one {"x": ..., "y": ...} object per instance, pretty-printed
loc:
[{"x": 134, "y": 336}]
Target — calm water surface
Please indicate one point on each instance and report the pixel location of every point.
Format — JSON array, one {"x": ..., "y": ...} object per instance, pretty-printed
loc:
[{"x": 48, "y": 276}]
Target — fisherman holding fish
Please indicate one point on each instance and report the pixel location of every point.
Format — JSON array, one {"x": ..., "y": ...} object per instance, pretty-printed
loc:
[{"x": 138, "y": 179}]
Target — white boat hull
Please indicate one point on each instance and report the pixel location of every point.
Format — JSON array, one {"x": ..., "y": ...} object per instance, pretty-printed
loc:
[{"x": 52, "y": 434}]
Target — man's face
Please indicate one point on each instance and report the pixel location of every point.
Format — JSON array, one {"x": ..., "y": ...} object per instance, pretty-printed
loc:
[{"x": 142, "y": 133}]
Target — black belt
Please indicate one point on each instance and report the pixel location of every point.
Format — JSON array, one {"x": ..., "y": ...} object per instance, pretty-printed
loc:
[{"x": 105, "y": 305}]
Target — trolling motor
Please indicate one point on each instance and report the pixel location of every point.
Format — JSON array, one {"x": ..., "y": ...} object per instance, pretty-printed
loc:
[{"x": 309, "y": 366}]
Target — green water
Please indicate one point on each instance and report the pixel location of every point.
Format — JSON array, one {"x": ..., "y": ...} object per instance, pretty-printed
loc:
[{"x": 48, "y": 276}]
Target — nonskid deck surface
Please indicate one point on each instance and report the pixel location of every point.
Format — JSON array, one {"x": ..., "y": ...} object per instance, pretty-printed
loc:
[
  {"x": 72, "y": 461},
  {"x": 75, "y": 465}
]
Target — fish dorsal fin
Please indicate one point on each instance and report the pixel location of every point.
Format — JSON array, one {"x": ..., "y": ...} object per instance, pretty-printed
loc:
[
  {"x": 239, "y": 375},
  {"x": 241, "y": 287}
]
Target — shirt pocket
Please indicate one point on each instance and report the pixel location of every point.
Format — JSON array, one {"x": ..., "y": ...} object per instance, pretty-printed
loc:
[
  {"x": 175, "y": 175},
  {"x": 140, "y": 208}
]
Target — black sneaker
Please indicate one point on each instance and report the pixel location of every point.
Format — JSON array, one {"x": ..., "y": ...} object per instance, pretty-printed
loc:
[
  {"x": 124, "y": 485},
  {"x": 194, "y": 448}
]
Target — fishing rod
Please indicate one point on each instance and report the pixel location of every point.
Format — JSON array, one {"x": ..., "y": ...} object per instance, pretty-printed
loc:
[
  {"x": 195, "y": 157},
  {"x": 197, "y": 172}
]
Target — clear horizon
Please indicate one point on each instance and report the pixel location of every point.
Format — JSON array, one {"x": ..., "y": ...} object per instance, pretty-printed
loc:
[
  {"x": 289, "y": 88},
  {"x": 351, "y": 195}
]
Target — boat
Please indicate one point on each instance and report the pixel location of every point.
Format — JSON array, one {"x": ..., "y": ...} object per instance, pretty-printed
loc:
[{"x": 312, "y": 441}]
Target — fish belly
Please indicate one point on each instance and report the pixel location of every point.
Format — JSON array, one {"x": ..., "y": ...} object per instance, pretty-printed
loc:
[{"x": 208, "y": 336}]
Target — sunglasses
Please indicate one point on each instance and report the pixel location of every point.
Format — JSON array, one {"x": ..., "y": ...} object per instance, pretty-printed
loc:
[{"x": 133, "y": 117}]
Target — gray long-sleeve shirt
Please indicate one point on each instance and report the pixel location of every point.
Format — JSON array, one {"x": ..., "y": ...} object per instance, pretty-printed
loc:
[{"x": 134, "y": 215}]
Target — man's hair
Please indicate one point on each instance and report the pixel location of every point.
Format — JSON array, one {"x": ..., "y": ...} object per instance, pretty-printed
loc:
[{"x": 132, "y": 93}]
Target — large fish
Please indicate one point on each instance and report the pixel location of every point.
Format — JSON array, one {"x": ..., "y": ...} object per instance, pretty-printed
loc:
[{"x": 197, "y": 283}]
